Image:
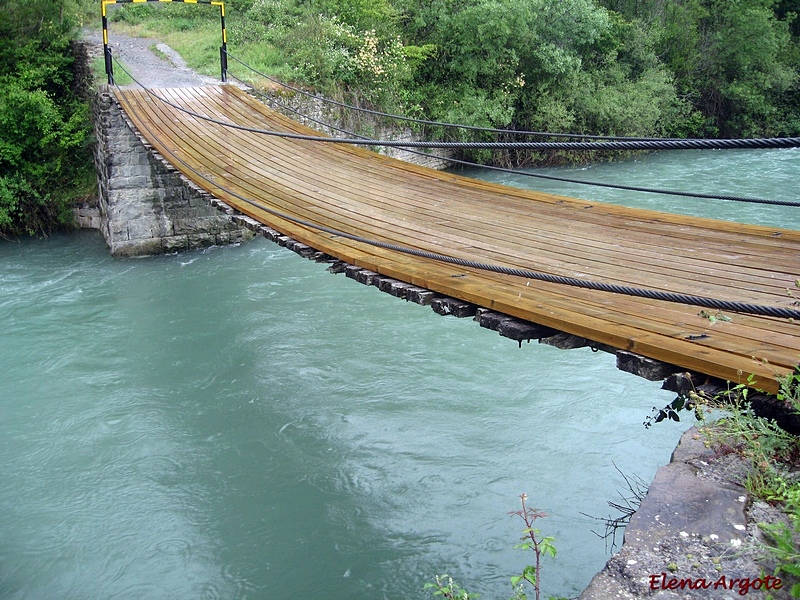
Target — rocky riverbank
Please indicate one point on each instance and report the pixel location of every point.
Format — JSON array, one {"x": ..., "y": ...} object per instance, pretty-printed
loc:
[{"x": 696, "y": 528}]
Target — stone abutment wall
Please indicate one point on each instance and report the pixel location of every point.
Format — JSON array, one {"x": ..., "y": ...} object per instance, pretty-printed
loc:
[
  {"x": 330, "y": 119},
  {"x": 146, "y": 206}
]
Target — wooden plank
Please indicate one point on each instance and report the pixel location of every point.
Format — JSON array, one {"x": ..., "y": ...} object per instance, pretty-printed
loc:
[{"x": 740, "y": 275}]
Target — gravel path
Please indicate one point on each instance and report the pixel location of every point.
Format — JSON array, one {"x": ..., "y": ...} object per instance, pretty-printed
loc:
[{"x": 147, "y": 67}]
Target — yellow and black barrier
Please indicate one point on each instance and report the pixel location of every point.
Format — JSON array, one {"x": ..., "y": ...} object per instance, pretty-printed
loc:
[{"x": 223, "y": 50}]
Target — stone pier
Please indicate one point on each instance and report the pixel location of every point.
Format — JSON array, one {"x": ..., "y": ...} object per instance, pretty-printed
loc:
[{"x": 146, "y": 206}]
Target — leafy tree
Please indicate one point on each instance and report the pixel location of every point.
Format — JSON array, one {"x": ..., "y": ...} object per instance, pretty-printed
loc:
[
  {"x": 364, "y": 15},
  {"x": 499, "y": 49},
  {"x": 736, "y": 62},
  {"x": 44, "y": 129},
  {"x": 618, "y": 67},
  {"x": 547, "y": 65},
  {"x": 745, "y": 68}
]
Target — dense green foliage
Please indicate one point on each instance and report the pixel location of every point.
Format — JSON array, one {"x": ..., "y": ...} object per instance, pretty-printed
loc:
[
  {"x": 616, "y": 67},
  {"x": 736, "y": 62},
  {"x": 677, "y": 68},
  {"x": 725, "y": 68},
  {"x": 45, "y": 159}
]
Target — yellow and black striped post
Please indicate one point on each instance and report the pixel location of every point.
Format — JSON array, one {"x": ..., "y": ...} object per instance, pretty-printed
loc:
[
  {"x": 223, "y": 51},
  {"x": 106, "y": 49}
]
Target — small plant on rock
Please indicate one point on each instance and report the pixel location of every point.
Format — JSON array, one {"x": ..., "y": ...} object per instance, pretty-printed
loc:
[
  {"x": 531, "y": 540},
  {"x": 444, "y": 586},
  {"x": 772, "y": 452},
  {"x": 774, "y": 456}
]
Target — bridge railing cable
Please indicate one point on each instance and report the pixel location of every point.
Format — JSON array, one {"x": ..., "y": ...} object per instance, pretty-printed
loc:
[
  {"x": 630, "y": 145},
  {"x": 672, "y": 297},
  {"x": 417, "y": 121},
  {"x": 671, "y": 144},
  {"x": 273, "y": 101}
]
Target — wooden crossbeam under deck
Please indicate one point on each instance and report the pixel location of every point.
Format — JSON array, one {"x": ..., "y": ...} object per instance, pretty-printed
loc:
[{"x": 363, "y": 193}]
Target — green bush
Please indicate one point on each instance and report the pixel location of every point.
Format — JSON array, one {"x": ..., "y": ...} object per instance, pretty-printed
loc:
[
  {"x": 133, "y": 14},
  {"x": 673, "y": 68},
  {"x": 737, "y": 63},
  {"x": 45, "y": 158}
]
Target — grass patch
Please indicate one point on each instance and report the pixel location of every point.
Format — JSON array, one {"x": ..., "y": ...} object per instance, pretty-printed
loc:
[
  {"x": 774, "y": 456},
  {"x": 99, "y": 72},
  {"x": 262, "y": 57},
  {"x": 199, "y": 47}
]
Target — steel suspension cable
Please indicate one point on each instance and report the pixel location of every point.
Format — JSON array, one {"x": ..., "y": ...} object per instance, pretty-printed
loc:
[
  {"x": 677, "y": 298},
  {"x": 332, "y": 127},
  {"x": 716, "y": 144},
  {"x": 433, "y": 123}
]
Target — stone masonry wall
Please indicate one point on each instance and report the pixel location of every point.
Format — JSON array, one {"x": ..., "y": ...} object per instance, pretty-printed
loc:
[
  {"x": 312, "y": 111},
  {"x": 146, "y": 206},
  {"x": 87, "y": 212}
]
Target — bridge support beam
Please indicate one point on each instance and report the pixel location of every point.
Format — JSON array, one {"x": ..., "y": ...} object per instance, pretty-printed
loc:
[{"x": 146, "y": 206}]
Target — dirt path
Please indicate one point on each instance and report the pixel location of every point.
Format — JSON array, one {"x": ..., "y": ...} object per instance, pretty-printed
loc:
[{"x": 148, "y": 68}]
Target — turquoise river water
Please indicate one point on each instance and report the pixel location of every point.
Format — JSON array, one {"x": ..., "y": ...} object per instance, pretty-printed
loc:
[{"x": 238, "y": 423}]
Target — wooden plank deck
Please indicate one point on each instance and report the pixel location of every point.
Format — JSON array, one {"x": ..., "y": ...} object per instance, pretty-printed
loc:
[{"x": 366, "y": 194}]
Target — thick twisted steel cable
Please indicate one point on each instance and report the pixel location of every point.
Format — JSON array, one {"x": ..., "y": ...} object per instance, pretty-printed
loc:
[
  {"x": 677, "y": 298},
  {"x": 432, "y": 123},
  {"x": 332, "y": 127},
  {"x": 271, "y": 100},
  {"x": 629, "y": 145},
  {"x": 633, "y": 188}
]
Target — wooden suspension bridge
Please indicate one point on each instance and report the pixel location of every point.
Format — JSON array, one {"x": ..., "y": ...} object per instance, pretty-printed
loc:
[{"x": 295, "y": 186}]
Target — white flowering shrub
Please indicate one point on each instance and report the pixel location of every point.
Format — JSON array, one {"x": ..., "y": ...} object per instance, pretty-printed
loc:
[{"x": 361, "y": 62}]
